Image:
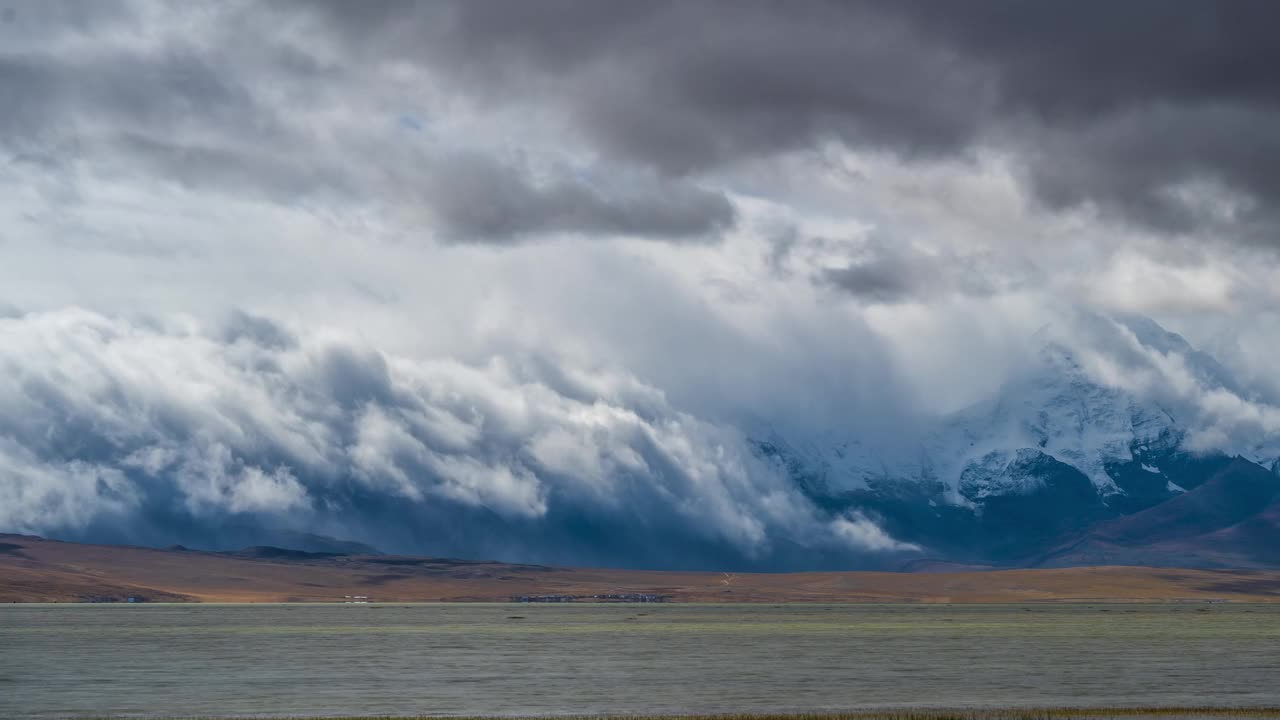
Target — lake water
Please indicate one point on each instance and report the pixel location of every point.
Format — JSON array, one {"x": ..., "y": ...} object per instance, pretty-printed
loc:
[{"x": 212, "y": 660}]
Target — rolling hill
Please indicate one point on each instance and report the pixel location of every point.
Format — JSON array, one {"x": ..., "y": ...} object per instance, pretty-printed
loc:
[{"x": 37, "y": 570}]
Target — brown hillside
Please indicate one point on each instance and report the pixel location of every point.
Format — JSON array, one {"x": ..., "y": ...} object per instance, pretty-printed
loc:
[{"x": 37, "y": 570}]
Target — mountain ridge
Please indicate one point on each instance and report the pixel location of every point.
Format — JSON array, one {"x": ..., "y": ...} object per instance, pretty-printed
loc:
[{"x": 1058, "y": 458}]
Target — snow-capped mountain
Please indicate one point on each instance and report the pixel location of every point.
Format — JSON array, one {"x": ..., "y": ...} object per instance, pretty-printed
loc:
[
  {"x": 1055, "y": 409},
  {"x": 1091, "y": 429}
]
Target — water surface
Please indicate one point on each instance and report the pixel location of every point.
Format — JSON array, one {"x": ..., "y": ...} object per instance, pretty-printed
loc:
[{"x": 211, "y": 660}]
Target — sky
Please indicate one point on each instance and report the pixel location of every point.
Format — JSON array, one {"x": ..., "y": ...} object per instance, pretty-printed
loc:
[{"x": 521, "y": 280}]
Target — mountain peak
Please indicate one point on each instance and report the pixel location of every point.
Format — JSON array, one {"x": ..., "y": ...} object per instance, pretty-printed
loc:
[{"x": 1057, "y": 449}]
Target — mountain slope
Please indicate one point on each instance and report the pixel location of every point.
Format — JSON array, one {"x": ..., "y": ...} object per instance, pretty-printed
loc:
[
  {"x": 1064, "y": 466},
  {"x": 1233, "y": 495},
  {"x": 1228, "y": 521},
  {"x": 37, "y": 570}
]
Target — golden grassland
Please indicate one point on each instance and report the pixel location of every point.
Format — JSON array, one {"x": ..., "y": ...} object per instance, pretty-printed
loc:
[{"x": 36, "y": 570}]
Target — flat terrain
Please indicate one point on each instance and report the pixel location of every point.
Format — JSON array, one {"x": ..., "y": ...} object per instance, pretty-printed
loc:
[
  {"x": 660, "y": 659},
  {"x": 38, "y": 570}
]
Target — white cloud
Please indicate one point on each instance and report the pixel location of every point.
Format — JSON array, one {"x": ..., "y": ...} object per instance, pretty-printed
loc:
[
  {"x": 109, "y": 416},
  {"x": 860, "y": 532},
  {"x": 36, "y": 494}
]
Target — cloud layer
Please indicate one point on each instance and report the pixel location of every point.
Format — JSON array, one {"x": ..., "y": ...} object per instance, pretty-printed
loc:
[
  {"x": 155, "y": 435},
  {"x": 520, "y": 280},
  {"x": 1160, "y": 113}
]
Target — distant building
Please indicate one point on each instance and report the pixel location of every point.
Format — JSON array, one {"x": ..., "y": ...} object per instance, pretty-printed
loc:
[{"x": 599, "y": 597}]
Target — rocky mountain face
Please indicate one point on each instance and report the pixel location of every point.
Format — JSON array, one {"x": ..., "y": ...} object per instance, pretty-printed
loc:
[{"x": 1062, "y": 468}]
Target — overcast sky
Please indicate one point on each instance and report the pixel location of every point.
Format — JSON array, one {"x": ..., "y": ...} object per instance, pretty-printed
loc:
[{"x": 518, "y": 278}]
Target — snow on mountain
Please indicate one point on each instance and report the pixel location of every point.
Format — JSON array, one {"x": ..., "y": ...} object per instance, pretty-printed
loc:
[
  {"x": 1203, "y": 366},
  {"x": 1064, "y": 405},
  {"x": 1054, "y": 408}
]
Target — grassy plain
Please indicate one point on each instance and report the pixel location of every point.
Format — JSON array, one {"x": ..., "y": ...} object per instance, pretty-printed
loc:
[{"x": 37, "y": 570}]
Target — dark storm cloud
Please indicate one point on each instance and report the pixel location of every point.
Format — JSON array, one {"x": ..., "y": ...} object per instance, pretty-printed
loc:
[
  {"x": 50, "y": 19},
  {"x": 889, "y": 279},
  {"x": 686, "y": 86},
  {"x": 156, "y": 93},
  {"x": 1162, "y": 113},
  {"x": 1126, "y": 108},
  {"x": 209, "y": 117},
  {"x": 886, "y": 269},
  {"x": 1128, "y": 100},
  {"x": 478, "y": 199},
  {"x": 175, "y": 114},
  {"x": 1069, "y": 63},
  {"x": 888, "y": 273}
]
